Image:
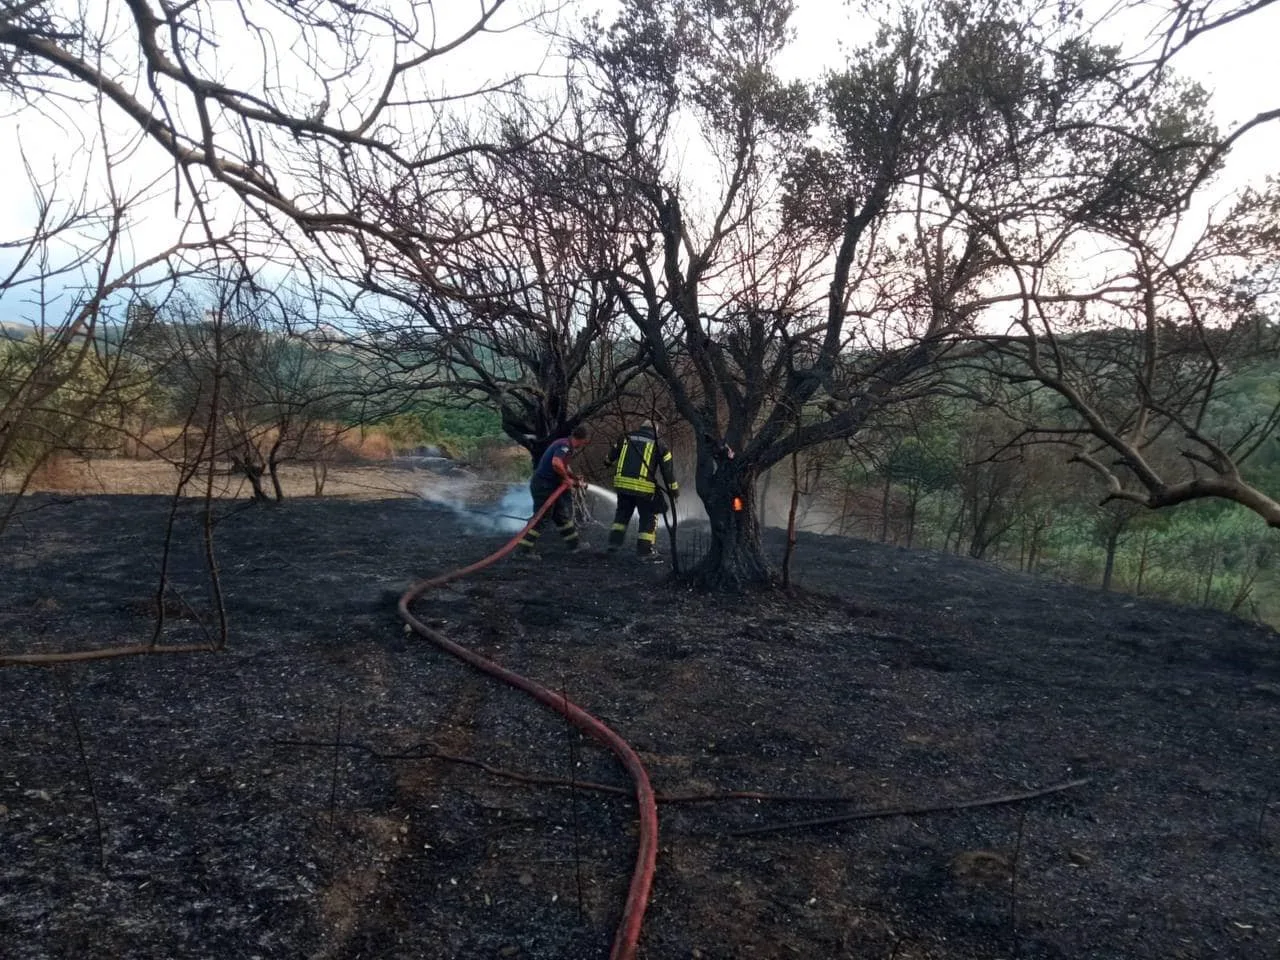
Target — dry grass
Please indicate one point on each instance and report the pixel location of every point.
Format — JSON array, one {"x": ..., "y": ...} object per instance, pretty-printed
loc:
[
  {"x": 53, "y": 474},
  {"x": 337, "y": 444},
  {"x": 367, "y": 445},
  {"x": 122, "y": 476},
  {"x": 353, "y": 467},
  {"x": 343, "y": 462}
]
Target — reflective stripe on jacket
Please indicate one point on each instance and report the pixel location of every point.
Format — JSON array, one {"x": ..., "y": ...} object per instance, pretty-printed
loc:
[{"x": 636, "y": 458}]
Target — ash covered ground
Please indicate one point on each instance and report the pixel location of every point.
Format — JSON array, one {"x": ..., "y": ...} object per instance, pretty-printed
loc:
[{"x": 328, "y": 787}]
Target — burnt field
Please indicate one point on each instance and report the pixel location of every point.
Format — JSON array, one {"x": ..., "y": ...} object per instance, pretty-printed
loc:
[{"x": 330, "y": 787}]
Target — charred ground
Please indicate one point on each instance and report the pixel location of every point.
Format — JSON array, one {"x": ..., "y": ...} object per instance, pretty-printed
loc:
[{"x": 290, "y": 797}]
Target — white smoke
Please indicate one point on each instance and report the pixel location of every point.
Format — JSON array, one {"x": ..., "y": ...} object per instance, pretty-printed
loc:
[
  {"x": 514, "y": 509},
  {"x": 482, "y": 506}
]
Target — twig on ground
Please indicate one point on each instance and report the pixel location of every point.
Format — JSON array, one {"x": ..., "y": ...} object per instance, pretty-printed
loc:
[
  {"x": 88, "y": 773},
  {"x": 429, "y": 752},
  {"x": 204, "y": 628},
  {"x": 573, "y": 800},
  {"x": 333, "y": 780},
  {"x": 101, "y": 653},
  {"x": 905, "y": 811},
  {"x": 1013, "y": 884}
]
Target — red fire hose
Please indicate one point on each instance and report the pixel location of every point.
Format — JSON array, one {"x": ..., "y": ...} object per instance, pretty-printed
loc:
[{"x": 628, "y": 933}]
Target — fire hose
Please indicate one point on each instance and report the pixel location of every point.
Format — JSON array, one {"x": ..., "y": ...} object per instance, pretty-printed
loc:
[{"x": 628, "y": 932}]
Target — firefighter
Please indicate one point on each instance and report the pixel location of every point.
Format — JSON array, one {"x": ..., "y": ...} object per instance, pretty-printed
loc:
[
  {"x": 636, "y": 460},
  {"x": 553, "y": 470}
]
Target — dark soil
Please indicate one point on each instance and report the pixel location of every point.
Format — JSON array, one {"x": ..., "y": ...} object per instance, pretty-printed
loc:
[{"x": 288, "y": 798}]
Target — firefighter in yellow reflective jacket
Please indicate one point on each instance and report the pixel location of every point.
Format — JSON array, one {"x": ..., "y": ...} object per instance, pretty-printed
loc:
[{"x": 636, "y": 460}]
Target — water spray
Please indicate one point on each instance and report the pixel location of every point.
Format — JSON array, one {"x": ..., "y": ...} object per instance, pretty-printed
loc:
[{"x": 603, "y": 492}]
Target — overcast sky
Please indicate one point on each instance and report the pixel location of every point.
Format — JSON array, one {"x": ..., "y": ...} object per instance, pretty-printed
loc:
[{"x": 1238, "y": 64}]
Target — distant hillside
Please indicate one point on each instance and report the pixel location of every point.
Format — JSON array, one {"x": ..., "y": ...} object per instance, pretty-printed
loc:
[{"x": 14, "y": 330}]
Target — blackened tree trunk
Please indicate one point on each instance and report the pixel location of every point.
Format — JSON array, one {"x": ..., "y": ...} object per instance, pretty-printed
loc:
[
  {"x": 736, "y": 559},
  {"x": 886, "y": 502},
  {"x": 1109, "y": 565},
  {"x": 1142, "y": 562},
  {"x": 791, "y": 521},
  {"x": 245, "y": 464},
  {"x": 273, "y": 463},
  {"x": 1113, "y": 523}
]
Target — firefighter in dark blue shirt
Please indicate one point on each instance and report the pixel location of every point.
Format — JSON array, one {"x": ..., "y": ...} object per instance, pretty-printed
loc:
[
  {"x": 637, "y": 459},
  {"x": 553, "y": 470}
]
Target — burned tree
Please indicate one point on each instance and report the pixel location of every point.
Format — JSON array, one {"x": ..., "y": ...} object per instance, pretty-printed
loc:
[
  {"x": 836, "y": 267},
  {"x": 280, "y": 108},
  {"x": 512, "y": 309}
]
